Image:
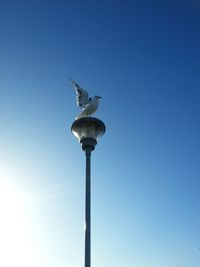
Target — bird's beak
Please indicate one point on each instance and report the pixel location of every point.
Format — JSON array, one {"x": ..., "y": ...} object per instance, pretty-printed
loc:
[{"x": 99, "y": 97}]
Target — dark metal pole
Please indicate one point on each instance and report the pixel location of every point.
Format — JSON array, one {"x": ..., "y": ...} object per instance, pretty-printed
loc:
[
  {"x": 88, "y": 130},
  {"x": 87, "y": 209}
]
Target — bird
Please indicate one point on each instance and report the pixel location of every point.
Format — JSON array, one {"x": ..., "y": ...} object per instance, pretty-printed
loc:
[{"x": 88, "y": 104}]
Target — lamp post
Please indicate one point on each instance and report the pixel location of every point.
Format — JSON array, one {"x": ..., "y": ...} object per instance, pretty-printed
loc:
[{"x": 88, "y": 130}]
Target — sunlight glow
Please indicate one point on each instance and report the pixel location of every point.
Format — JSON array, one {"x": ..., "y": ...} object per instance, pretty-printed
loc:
[{"x": 16, "y": 248}]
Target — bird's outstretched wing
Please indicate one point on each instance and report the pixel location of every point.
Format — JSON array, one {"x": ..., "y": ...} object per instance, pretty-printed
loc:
[{"x": 82, "y": 97}]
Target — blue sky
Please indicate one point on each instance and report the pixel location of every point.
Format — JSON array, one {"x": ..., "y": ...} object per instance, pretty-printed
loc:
[{"x": 143, "y": 58}]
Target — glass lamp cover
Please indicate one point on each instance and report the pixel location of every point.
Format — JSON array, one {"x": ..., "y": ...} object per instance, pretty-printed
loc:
[{"x": 88, "y": 127}]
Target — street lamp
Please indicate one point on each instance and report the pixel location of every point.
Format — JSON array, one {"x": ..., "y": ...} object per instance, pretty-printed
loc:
[{"x": 88, "y": 130}]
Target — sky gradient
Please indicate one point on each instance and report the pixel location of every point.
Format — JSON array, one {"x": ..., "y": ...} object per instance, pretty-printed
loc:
[{"x": 143, "y": 58}]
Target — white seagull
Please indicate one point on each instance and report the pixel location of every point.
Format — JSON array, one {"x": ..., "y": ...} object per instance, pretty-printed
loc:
[{"x": 89, "y": 105}]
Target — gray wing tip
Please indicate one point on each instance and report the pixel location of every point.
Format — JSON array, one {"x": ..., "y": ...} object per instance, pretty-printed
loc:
[{"x": 73, "y": 82}]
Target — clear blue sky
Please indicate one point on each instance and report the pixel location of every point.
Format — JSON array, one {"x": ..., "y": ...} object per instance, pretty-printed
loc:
[{"x": 143, "y": 58}]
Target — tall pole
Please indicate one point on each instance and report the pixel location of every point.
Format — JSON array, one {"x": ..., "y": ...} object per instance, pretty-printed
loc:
[
  {"x": 87, "y": 130},
  {"x": 88, "y": 209}
]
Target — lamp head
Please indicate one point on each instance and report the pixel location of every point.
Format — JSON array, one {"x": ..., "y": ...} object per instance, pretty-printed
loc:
[{"x": 87, "y": 130}]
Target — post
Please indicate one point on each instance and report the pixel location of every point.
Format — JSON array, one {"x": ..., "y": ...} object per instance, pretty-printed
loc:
[
  {"x": 88, "y": 209},
  {"x": 87, "y": 130}
]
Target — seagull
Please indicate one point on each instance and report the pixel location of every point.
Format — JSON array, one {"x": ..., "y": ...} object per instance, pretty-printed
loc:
[{"x": 88, "y": 104}]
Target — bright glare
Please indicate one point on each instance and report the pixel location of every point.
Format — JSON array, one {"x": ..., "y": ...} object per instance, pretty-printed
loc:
[{"x": 16, "y": 248}]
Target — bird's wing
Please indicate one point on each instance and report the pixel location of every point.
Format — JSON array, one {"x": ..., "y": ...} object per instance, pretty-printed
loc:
[{"x": 82, "y": 97}]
